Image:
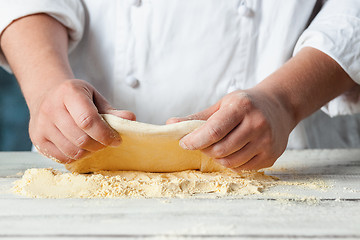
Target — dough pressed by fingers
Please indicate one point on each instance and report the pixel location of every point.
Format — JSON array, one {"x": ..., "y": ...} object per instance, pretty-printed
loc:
[{"x": 148, "y": 148}]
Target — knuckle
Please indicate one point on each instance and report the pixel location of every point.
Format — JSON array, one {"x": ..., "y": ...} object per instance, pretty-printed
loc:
[
  {"x": 268, "y": 164},
  {"x": 260, "y": 124},
  {"x": 215, "y": 133},
  {"x": 261, "y": 166},
  {"x": 76, "y": 153},
  {"x": 71, "y": 153},
  {"x": 265, "y": 160},
  {"x": 237, "y": 170},
  {"x": 270, "y": 152},
  {"x": 39, "y": 146},
  {"x": 225, "y": 162},
  {"x": 46, "y": 107},
  {"x": 108, "y": 137},
  {"x": 80, "y": 154},
  {"x": 218, "y": 152},
  {"x": 267, "y": 140},
  {"x": 107, "y": 141},
  {"x": 86, "y": 121},
  {"x": 245, "y": 102},
  {"x": 37, "y": 139},
  {"x": 68, "y": 85},
  {"x": 62, "y": 158},
  {"x": 83, "y": 141},
  {"x": 239, "y": 102},
  {"x": 249, "y": 166}
]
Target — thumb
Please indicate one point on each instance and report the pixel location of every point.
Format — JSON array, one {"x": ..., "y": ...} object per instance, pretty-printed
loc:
[
  {"x": 104, "y": 107},
  {"x": 203, "y": 115},
  {"x": 122, "y": 114}
]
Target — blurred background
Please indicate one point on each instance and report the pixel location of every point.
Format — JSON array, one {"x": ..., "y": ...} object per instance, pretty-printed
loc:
[{"x": 14, "y": 115}]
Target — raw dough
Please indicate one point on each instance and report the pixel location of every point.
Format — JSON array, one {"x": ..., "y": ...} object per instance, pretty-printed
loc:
[
  {"x": 148, "y": 148},
  {"x": 49, "y": 183}
]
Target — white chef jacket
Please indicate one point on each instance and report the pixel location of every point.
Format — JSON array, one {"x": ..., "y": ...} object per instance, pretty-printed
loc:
[{"x": 165, "y": 58}]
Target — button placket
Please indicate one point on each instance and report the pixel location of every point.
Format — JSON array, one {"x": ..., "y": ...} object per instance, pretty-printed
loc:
[
  {"x": 124, "y": 78},
  {"x": 245, "y": 28},
  {"x": 120, "y": 49},
  {"x": 135, "y": 3},
  {"x": 244, "y": 10},
  {"x": 131, "y": 81}
]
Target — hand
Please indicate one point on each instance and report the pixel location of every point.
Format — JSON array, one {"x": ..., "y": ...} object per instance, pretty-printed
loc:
[
  {"x": 246, "y": 130},
  {"x": 65, "y": 123}
]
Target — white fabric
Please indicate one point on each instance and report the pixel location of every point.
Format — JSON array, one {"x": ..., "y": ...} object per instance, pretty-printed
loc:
[
  {"x": 185, "y": 55},
  {"x": 69, "y": 12},
  {"x": 336, "y": 32}
]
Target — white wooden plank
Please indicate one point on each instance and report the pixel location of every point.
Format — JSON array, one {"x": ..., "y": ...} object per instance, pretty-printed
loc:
[
  {"x": 12, "y": 163},
  {"x": 180, "y": 237},
  {"x": 318, "y": 162},
  {"x": 253, "y": 217},
  {"x": 179, "y": 217}
]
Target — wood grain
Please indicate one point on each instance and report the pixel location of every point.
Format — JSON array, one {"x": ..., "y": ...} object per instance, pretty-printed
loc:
[{"x": 276, "y": 214}]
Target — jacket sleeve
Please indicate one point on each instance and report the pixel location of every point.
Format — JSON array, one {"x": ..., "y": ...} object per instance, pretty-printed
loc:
[
  {"x": 336, "y": 32},
  {"x": 68, "y": 12}
]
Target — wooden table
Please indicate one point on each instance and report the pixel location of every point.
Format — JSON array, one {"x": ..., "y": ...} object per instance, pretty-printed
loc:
[{"x": 335, "y": 214}]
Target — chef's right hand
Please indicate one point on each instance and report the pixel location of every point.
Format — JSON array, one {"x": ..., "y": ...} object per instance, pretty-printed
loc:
[{"x": 65, "y": 122}]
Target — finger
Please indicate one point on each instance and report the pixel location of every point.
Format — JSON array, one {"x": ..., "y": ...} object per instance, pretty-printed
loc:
[
  {"x": 104, "y": 107},
  {"x": 203, "y": 115},
  {"x": 67, "y": 126},
  {"x": 64, "y": 145},
  {"x": 216, "y": 127},
  {"x": 123, "y": 114},
  {"x": 256, "y": 163},
  {"x": 240, "y": 157},
  {"x": 231, "y": 143},
  {"x": 49, "y": 150},
  {"x": 87, "y": 118},
  {"x": 174, "y": 120}
]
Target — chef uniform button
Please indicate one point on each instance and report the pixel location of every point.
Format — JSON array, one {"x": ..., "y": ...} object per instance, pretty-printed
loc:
[
  {"x": 135, "y": 3},
  {"x": 244, "y": 11},
  {"x": 131, "y": 81}
]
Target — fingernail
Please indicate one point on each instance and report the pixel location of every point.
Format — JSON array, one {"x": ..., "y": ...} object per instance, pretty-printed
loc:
[
  {"x": 172, "y": 120},
  {"x": 69, "y": 161},
  {"x": 222, "y": 162},
  {"x": 185, "y": 146},
  {"x": 116, "y": 142}
]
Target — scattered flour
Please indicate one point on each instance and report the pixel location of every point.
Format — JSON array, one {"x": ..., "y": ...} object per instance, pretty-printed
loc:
[{"x": 50, "y": 183}]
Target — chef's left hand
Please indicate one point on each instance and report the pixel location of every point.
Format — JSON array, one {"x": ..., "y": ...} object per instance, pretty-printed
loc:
[{"x": 245, "y": 130}]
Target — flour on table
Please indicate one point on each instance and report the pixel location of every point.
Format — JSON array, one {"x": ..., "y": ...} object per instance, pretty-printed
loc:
[{"x": 49, "y": 183}]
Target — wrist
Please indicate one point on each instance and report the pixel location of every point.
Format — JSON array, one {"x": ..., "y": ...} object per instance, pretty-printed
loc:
[
  {"x": 35, "y": 91},
  {"x": 279, "y": 102}
]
